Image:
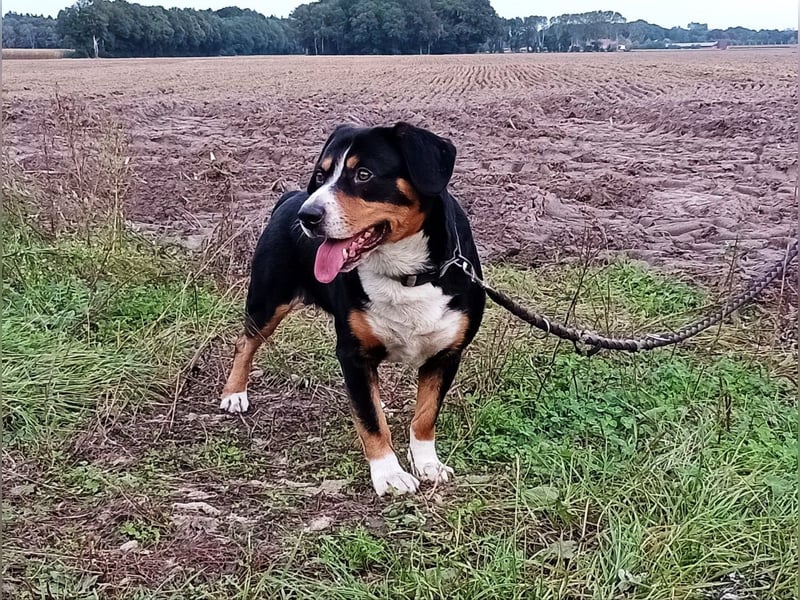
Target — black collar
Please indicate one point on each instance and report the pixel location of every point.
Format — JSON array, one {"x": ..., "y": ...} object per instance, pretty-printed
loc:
[
  {"x": 433, "y": 275},
  {"x": 420, "y": 278}
]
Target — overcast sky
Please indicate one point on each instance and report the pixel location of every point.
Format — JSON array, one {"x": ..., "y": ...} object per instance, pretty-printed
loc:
[{"x": 756, "y": 14}]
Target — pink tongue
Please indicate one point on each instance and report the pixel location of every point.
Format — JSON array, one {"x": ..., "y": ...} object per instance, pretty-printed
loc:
[{"x": 329, "y": 260}]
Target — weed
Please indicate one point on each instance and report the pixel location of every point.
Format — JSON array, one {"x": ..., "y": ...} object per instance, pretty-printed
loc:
[
  {"x": 353, "y": 551},
  {"x": 55, "y": 582},
  {"x": 85, "y": 479},
  {"x": 144, "y": 533},
  {"x": 219, "y": 454}
]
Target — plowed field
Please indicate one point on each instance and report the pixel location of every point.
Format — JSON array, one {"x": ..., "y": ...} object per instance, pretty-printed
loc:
[{"x": 670, "y": 157}]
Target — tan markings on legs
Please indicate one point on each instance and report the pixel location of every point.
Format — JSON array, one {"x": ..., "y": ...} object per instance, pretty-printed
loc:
[
  {"x": 376, "y": 445},
  {"x": 246, "y": 347},
  {"x": 362, "y": 330},
  {"x": 461, "y": 333},
  {"x": 423, "y": 424}
]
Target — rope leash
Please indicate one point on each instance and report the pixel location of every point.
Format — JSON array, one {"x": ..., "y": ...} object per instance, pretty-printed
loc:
[{"x": 596, "y": 341}]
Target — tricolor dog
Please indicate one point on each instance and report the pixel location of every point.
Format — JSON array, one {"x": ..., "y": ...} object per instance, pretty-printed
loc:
[{"x": 379, "y": 243}]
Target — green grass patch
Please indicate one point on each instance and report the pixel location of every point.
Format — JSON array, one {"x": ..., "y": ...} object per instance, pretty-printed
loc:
[
  {"x": 140, "y": 531},
  {"x": 85, "y": 479},
  {"x": 660, "y": 475},
  {"x": 105, "y": 320},
  {"x": 669, "y": 474}
]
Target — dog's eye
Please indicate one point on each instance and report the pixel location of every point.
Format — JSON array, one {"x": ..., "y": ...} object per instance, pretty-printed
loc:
[
  {"x": 363, "y": 175},
  {"x": 319, "y": 177}
]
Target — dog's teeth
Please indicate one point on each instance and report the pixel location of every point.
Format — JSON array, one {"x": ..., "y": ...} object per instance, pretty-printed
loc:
[{"x": 344, "y": 252}]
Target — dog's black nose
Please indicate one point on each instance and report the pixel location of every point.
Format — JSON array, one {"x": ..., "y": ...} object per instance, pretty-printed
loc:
[{"x": 311, "y": 215}]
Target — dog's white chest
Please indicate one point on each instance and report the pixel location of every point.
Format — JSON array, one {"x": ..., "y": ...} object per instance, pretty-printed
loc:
[{"x": 414, "y": 323}]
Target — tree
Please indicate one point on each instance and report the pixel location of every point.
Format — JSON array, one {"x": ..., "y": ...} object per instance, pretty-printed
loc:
[
  {"x": 30, "y": 31},
  {"x": 365, "y": 28},
  {"x": 535, "y": 27},
  {"x": 84, "y": 24},
  {"x": 125, "y": 29},
  {"x": 120, "y": 28},
  {"x": 464, "y": 25},
  {"x": 422, "y": 25}
]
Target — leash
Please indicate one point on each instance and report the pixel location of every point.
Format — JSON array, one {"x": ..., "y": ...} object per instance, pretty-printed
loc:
[{"x": 592, "y": 341}]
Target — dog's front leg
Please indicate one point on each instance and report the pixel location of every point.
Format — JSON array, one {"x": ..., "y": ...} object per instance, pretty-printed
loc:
[
  {"x": 361, "y": 378},
  {"x": 435, "y": 378}
]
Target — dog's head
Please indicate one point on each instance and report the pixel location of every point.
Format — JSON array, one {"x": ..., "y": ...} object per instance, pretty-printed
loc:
[{"x": 371, "y": 187}]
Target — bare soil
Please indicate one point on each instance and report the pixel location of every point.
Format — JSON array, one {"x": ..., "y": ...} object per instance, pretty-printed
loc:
[{"x": 670, "y": 157}]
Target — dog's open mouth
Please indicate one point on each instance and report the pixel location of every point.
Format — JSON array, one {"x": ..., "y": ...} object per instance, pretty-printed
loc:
[{"x": 337, "y": 256}]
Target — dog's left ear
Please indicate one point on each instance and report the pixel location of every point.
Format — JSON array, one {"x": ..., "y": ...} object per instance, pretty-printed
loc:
[{"x": 429, "y": 158}]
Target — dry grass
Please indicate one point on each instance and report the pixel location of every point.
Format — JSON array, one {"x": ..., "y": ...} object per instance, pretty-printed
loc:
[{"x": 35, "y": 53}]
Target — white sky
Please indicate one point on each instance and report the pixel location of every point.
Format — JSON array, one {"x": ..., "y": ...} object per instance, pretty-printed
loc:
[{"x": 756, "y": 14}]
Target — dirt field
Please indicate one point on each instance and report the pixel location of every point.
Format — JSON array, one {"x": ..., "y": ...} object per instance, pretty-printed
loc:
[{"x": 667, "y": 156}]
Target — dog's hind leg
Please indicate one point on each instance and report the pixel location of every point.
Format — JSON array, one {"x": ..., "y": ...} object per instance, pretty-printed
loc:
[
  {"x": 271, "y": 295},
  {"x": 234, "y": 394}
]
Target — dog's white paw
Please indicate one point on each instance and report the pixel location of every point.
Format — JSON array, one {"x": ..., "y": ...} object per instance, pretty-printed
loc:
[
  {"x": 235, "y": 403},
  {"x": 424, "y": 462},
  {"x": 389, "y": 477},
  {"x": 435, "y": 471}
]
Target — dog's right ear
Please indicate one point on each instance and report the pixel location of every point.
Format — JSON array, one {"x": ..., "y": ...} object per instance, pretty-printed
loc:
[{"x": 341, "y": 130}]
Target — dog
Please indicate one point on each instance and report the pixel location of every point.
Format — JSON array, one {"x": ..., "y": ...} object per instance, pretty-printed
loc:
[{"x": 378, "y": 242}]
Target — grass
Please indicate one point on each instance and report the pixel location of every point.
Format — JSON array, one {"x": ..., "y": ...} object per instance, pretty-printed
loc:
[
  {"x": 34, "y": 53},
  {"x": 93, "y": 324},
  {"x": 662, "y": 475}
]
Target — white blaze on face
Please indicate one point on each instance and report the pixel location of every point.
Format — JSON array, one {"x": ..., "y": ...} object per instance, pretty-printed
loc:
[{"x": 333, "y": 224}]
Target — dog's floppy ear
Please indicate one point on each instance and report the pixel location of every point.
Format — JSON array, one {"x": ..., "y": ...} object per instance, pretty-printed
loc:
[
  {"x": 429, "y": 158},
  {"x": 340, "y": 130}
]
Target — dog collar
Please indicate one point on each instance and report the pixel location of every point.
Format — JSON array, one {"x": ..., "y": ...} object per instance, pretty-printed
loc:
[
  {"x": 436, "y": 274},
  {"x": 420, "y": 278},
  {"x": 458, "y": 260}
]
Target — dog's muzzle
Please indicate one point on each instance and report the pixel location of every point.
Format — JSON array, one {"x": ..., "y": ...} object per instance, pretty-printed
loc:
[{"x": 311, "y": 217}]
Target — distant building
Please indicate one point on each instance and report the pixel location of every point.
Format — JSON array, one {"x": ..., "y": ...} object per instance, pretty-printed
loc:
[{"x": 607, "y": 45}]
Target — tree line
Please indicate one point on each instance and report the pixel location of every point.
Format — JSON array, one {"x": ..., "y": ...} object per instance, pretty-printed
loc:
[
  {"x": 126, "y": 29},
  {"x": 117, "y": 28},
  {"x": 608, "y": 30},
  {"x": 30, "y": 31},
  {"x": 394, "y": 26}
]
